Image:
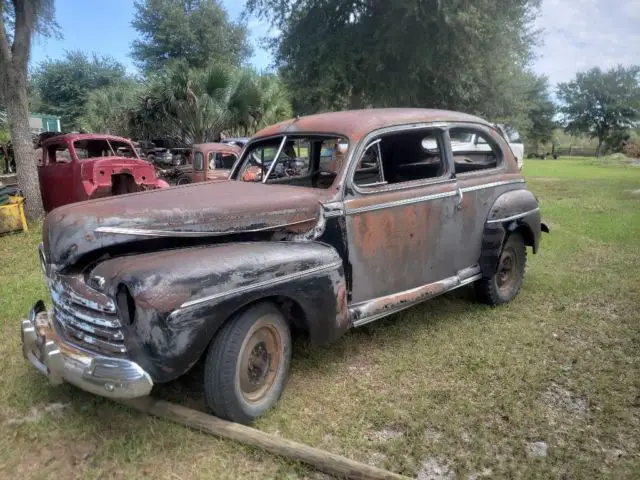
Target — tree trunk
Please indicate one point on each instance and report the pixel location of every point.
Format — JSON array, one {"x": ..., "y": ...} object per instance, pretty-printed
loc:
[
  {"x": 14, "y": 59},
  {"x": 18, "y": 112},
  {"x": 600, "y": 140}
]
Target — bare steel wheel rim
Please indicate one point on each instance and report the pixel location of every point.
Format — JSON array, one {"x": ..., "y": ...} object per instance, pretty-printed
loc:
[
  {"x": 260, "y": 360},
  {"x": 507, "y": 274}
]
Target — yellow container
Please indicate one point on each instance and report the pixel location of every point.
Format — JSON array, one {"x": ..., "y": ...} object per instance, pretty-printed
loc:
[{"x": 12, "y": 216}]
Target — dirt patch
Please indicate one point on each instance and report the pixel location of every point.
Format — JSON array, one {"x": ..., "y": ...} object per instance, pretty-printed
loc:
[
  {"x": 537, "y": 449},
  {"x": 386, "y": 434},
  {"x": 59, "y": 460},
  {"x": 38, "y": 412},
  {"x": 563, "y": 405},
  {"x": 599, "y": 307},
  {"x": 436, "y": 469}
]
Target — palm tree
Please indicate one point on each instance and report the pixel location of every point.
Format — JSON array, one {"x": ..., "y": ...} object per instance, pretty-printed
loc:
[
  {"x": 109, "y": 109},
  {"x": 198, "y": 105}
]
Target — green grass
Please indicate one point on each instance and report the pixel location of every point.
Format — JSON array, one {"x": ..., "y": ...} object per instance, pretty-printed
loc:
[{"x": 450, "y": 382}]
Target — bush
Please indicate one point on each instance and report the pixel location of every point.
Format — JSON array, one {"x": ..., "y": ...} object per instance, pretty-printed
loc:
[{"x": 631, "y": 148}]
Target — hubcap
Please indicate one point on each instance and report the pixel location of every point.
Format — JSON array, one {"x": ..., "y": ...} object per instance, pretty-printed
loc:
[
  {"x": 506, "y": 276},
  {"x": 259, "y": 363}
]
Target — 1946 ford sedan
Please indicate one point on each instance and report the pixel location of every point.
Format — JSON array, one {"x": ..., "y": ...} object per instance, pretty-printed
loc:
[{"x": 326, "y": 223}]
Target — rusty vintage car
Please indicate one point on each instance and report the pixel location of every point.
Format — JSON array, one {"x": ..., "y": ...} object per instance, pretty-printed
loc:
[
  {"x": 207, "y": 161},
  {"x": 327, "y": 222},
  {"x": 83, "y": 166}
]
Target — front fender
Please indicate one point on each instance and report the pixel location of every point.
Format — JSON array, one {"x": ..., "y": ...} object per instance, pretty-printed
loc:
[{"x": 183, "y": 296}]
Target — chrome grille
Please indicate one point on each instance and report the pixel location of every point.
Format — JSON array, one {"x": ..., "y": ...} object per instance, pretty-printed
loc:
[{"x": 86, "y": 322}]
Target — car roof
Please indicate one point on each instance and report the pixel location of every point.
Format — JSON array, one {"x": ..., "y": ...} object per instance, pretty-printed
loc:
[
  {"x": 73, "y": 137},
  {"x": 217, "y": 147},
  {"x": 355, "y": 124}
]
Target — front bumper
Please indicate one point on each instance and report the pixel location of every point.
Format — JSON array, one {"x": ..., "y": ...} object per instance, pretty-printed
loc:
[{"x": 62, "y": 361}]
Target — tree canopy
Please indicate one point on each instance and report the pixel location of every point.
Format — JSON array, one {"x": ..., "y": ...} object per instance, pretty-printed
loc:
[
  {"x": 64, "y": 85},
  {"x": 602, "y": 104},
  {"x": 195, "y": 31},
  {"x": 463, "y": 54},
  {"x": 198, "y": 105}
]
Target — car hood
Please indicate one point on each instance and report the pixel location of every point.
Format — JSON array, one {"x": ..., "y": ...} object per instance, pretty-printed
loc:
[{"x": 198, "y": 211}]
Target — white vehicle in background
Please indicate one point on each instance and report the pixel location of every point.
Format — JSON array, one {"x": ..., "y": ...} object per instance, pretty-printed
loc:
[{"x": 467, "y": 142}]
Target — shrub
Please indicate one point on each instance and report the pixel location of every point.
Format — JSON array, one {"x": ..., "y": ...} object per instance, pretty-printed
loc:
[{"x": 631, "y": 148}]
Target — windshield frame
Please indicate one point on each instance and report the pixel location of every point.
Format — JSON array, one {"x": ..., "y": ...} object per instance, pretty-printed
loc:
[{"x": 282, "y": 139}]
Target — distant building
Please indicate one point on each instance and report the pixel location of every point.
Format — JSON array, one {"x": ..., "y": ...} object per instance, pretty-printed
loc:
[{"x": 42, "y": 122}]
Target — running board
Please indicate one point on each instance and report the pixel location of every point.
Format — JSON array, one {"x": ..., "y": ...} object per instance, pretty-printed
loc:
[{"x": 371, "y": 310}]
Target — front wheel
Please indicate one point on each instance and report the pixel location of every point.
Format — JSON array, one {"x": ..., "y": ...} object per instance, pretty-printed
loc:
[
  {"x": 505, "y": 283},
  {"x": 248, "y": 363}
]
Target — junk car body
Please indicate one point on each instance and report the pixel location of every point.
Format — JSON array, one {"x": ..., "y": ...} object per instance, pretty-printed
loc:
[
  {"x": 327, "y": 222},
  {"x": 207, "y": 161},
  {"x": 80, "y": 166}
]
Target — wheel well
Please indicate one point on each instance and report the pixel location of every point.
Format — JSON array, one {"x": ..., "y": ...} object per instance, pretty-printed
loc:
[
  {"x": 527, "y": 235},
  {"x": 292, "y": 311}
]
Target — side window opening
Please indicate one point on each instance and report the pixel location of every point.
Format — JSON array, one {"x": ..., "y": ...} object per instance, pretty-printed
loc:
[
  {"x": 198, "y": 161},
  {"x": 58, "y": 153},
  {"x": 402, "y": 157},
  {"x": 370, "y": 170},
  {"x": 227, "y": 160},
  {"x": 480, "y": 153}
]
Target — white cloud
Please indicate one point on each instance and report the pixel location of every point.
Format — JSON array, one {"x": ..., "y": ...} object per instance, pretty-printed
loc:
[{"x": 580, "y": 34}]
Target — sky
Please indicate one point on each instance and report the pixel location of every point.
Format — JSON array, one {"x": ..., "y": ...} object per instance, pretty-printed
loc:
[{"x": 578, "y": 34}]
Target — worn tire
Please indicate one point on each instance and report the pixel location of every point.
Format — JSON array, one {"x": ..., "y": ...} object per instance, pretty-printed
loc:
[
  {"x": 229, "y": 368},
  {"x": 495, "y": 290},
  {"x": 183, "y": 180}
]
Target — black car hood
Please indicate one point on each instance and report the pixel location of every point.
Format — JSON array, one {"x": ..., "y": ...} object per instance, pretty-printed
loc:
[{"x": 193, "y": 211}]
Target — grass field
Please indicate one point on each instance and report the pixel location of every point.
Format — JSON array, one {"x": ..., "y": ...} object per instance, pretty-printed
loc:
[{"x": 545, "y": 387}]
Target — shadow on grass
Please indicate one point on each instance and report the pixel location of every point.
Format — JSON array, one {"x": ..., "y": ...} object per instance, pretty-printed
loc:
[{"x": 398, "y": 329}]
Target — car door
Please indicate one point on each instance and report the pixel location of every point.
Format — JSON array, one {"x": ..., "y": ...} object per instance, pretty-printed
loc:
[
  {"x": 482, "y": 175},
  {"x": 57, "y": 177},
  {"x": 400, "y": 206}
]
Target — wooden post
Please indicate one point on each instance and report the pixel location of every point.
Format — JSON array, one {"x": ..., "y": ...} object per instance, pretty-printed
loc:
[{"x": 322, "y": 460}]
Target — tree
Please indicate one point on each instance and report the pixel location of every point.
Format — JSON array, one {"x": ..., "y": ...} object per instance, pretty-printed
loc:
[
  {"x": 541, "y": 113},
  {"x": 64, "y": 85},
  {"x": 196, "y": 31},
  {"x": 19, "y": 20},
  {"x": 601, "y": 104},
  {"x": 108, "y": 109},
  {"x": 198, "y": 105},
  {"x": 466, "y": 55}
]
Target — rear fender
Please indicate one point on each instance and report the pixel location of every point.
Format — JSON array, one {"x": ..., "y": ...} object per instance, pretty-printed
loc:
[
  {"x": 515, "y": 210},
  {"x": 182, "y": 297}
]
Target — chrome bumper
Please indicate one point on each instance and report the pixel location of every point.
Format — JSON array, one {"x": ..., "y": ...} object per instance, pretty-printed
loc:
[{"x": 62, "y": 361}]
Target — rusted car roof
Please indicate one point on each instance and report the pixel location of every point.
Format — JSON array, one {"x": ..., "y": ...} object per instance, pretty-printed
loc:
[
  {"x": 357, "y": 123},
  {"x": 217, "y": 147},
  {"x": 73, "y": 137}
]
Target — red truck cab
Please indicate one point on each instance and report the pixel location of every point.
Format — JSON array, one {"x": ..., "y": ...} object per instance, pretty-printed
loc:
[{"x": 81, "y": 166}]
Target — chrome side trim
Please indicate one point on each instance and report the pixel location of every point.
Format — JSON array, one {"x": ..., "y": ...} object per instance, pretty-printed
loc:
[
  {"x": 447, "y": 285},
  {"x": 426, "y": 198},
  {"x": 398, "y": 203},
  {"x": 492, "y": 185},
  {"x": 514, "y": 217},
  {"x": 265, "y": 283},
  {"x": 172, "y": 233}
]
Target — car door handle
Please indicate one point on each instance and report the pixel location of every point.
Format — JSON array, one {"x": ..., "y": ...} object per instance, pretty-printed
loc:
[{"x": 460, "y": 197}]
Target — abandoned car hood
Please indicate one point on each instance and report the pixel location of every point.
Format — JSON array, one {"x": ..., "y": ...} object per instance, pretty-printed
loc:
[{"x": 194, "y": 211}]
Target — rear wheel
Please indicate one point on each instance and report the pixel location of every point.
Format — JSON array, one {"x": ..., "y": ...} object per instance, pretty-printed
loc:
[
  {"x": 507, "y": 280},
  {"x": 248, "y": 363},
  {"x": 183, "y": 180}
]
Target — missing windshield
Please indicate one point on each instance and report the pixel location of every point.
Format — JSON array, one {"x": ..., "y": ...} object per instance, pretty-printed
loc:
[{"x": 308, "y": 161}]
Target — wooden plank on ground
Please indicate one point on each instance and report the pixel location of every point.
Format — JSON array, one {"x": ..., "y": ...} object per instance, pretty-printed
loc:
[{"x": 322, "y": 460}]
